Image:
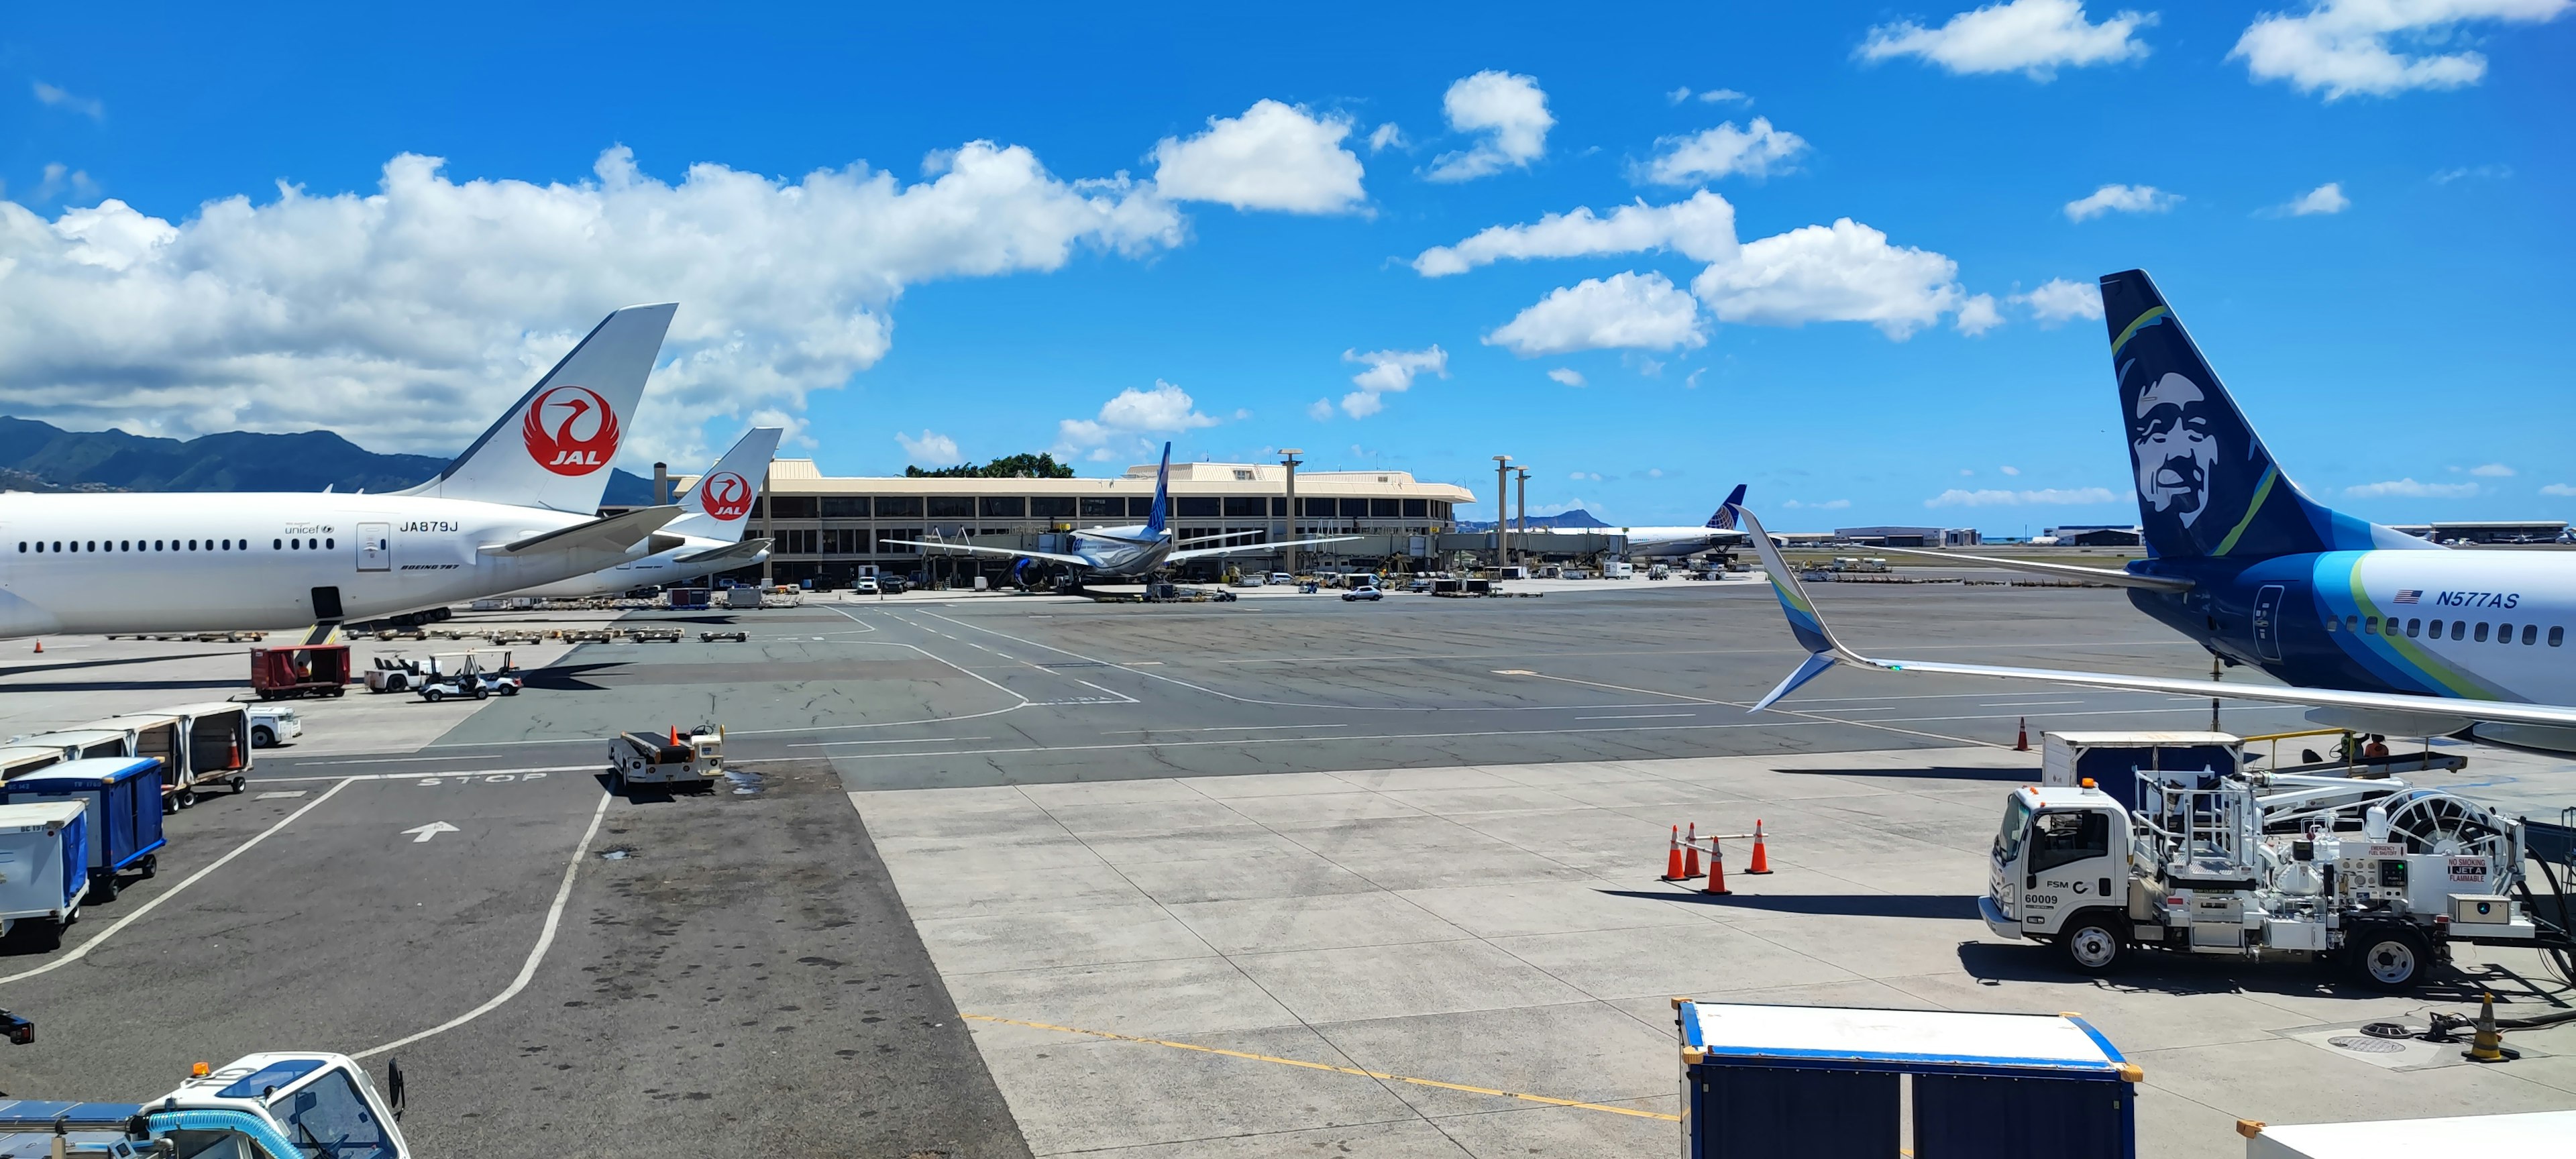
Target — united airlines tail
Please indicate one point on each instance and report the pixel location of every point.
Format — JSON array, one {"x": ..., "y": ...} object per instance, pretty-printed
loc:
[
  {"x": 1162, "y": 495},
  {"x": 719, "y": 507},
  {"x": 2206, "y": 485},
  {"x": 1724, "y": 520},
  {"x": 552, "y": 448}
]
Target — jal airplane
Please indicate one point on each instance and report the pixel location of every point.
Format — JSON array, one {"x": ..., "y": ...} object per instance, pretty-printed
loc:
[
  {"x": 2371, "y": 628},
  {"x": 1131, "y": 552},
  {"x": 518, "y": 508},
  {"x": 1670, "y": 542},
  {"x": 714, "y": 515}
]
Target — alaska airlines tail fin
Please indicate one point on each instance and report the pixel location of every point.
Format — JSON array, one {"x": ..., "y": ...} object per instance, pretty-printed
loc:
[
  {"x": 1162, "y": 495},
  {"x": 553, "y": 447},
  {"x": 1724, "y": 520},
  {"x": 719, "y": 507},
  {"x": 2206, "y": 485}
]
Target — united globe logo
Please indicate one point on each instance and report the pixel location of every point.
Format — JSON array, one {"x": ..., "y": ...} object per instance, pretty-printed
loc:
[{"x": 570, "y": 430}]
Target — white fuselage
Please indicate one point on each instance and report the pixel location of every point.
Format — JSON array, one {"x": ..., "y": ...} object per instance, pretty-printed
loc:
[
  {"x": 660, "y": 569},
  {"x": 185, "y": 562},
  {"x": 1124, "y": 552},
  {"x": 2476, "y": 595},
  {"x": 1652, "y": 542}
]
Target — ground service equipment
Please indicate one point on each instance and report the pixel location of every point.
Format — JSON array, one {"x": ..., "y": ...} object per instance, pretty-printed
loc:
[
  {"x": 302, "y": 670},
  {"x": 2377, "y": 875},
  {"x": 122, "y": 797},
  {"x": 261, "y": 1106},
  {"x": 44, "y": 862},
  {"x": 692, "y": 759}
]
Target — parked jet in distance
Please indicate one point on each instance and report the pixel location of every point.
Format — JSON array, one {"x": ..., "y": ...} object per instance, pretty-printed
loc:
[
  {"x": 1669, "y": 542},
  {"x": 1135, "y": 551},
  {"x": 714, "y": 515},
  {"x": 518, "y": 508},
  {"x": 2371, "y": 628}
]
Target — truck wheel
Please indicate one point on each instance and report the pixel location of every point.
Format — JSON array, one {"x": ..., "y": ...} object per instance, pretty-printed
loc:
[
  {"x": 432, "y": 695},
  {"x": 2094, "y": 942},
  {"x": 262, "y": 737},
  {"x": 2389, "y": 957}
]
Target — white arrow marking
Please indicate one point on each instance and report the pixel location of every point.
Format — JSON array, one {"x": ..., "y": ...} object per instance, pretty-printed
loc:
[{"x": 433, "y": 829}]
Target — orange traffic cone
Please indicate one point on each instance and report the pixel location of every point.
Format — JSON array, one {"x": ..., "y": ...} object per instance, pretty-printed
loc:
[
  {"x": 40, "y": 647},
  {"x": 1716, "y": 870},
  {"x": 675, "y": 734},
  {"x": 2021, "y": 743},
  {"x": 1673, "y": 857},
  {"x": 1761, "y": 862},
  {"x": 1690, "y": 856}
]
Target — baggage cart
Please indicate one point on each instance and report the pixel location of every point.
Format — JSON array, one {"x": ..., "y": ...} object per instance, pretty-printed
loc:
[
  {"x": 122, "y": 798},
  {"x": 692, "y": 759},
  {"x": 300, "y": 670},
  {"x": 44, "y": 863}
]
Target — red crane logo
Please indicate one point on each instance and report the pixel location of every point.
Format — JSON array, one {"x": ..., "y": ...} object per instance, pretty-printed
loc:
[
  {"x": 565, "y": 449},
  {"x": 725, "y": 495}
]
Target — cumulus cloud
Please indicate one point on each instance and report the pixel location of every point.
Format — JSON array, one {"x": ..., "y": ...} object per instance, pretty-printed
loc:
[
  {"x": 1274, "y": 156},
  {"x": 406, "y": 318},
  {"x": 1128, "y": 419},
  {"x": 2346, "y": 47},
  {"x": 1509, "y": 110},
  {"x": 65, "y": 182},
  {"x": 1385, "y": 137},
  {"x": 2009, "y": 470},
  {"x": 930, "y": 448},
  {"x": 1389, "y": 372},
  {"x": 2483, "y": 172},
  {"x": 56, "y": 97},
  {"x": 1567, "y": 376},
  {"x": 2561, "y": 490},
  {"x": 1624, "y": 311},
  {"x": 2121, "y": 199},
  {"x": 2408, "y": 488},
  {"x": 2048, "y": 497},
  {"x": 1757, "y": 151},
  {"x": 2326, "y": 198},
  {"x": 1846, "y": 272},
  {"x": 2492, "y": 471},
  {"x": 1978, "y": 315},
  {"x": 1827, "y": 505},
  {"x": 2058, "y": 300},
  {"x": 1711, "y": 97},
  {"x": 1701, "y": 228},
  {"x": 1320, "y": 409},
  {"x": 2031, "y": 37}
]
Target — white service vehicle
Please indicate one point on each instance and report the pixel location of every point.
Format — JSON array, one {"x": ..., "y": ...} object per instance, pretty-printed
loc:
[
  {"x": 272, "y": 725},
  {"x": 2376, "y": 875},
  {"x": 693, "y": 759}
]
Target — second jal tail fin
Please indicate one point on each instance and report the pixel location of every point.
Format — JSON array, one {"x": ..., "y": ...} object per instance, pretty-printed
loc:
[{"x": 719, "y": 507}]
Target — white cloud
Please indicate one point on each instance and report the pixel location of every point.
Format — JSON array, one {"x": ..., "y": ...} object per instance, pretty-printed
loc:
[
  {"x": 1843, "y": 273},
  {"x": 1714, "y": 96},
  {"x": 2032, "y": 37},
  {"x": 2058, "y": 300},
  {"x": 1757, "y": 151},
  {"x": 1827, "y": 505},
  {"x": 1389, "y": 372},
  {"x": 1978, "y": 315},
  {"x": 53, "y": 95},
  {"x": 1624, "y": 311},
  {"x": 2408, "y": 488},
  {"x": 1129, "y": 418},
  {"x": 2121, "y": 199},
  {"x": 932, "y": 448},
  {"x": 2492, "y": 471},
  {"x": 1567, "y": 375},
  {"x": 2343, "y": 47},
  {"x": 1585, "y": 476},
  {"x": 2009, "y": 470},
  {"x": 2559, "y": 489},
  {"x": 406, "y": 318},
  {"x": 2326, "y": 198},
  {"x": 1274, "y": 156},
  {"x": 2494, "y": 172},
  {"x": 1691, "y": 381},
  {"x": 1385, "y": 137},
  {"x": 2053, "y": 496},
  {"x": 1320, "y": 409},
  {"x": 1509, "y": 109},
  {"x": 1701, "y": 228}
]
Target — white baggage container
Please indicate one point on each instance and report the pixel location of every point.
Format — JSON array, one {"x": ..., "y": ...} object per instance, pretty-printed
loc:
[{"x": 44, "y": 862}]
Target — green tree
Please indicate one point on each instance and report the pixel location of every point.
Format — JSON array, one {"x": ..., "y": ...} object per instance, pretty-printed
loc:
[{"x": 1006, "y": 467}]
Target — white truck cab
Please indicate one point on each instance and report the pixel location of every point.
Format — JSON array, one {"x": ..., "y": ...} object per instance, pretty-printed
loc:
[
  {"x": 2061, "y": 851},
  {"x": 319, "y": 1103}
]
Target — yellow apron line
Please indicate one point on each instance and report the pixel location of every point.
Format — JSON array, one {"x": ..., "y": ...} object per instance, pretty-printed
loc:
[{"x": 1325, "y": 1066}]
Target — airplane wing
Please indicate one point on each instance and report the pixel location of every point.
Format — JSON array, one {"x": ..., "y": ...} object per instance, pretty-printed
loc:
[
  {"x": 746, "y": 550},
  {"x": 1824, "y": 651},
  {"x": 615, "y": 533},
  {"x": 1005, "y": 552},
  {"x": 1240, "y": 548},
  {"x": 2099, "y": 575}
]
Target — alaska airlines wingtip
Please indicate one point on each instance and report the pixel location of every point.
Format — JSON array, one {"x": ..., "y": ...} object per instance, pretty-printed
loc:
[{"x": 1823, "y": 651}]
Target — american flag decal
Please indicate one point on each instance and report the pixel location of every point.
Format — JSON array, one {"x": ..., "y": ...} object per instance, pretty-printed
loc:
[{"x": 2409, "y": 595}]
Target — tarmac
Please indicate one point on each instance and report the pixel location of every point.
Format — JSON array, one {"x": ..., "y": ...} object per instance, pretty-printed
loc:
[{"x": 1373, "y": 879}]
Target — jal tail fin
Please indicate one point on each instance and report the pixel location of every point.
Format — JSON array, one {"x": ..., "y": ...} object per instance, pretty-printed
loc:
[
  {"x": 2207, "y": 487},
  {"x": 1724, "y": 520},
  {"x": 1162, "y": 495},
  {"x": 552, "y": 448},
  {"x": 719, "y": 506}
]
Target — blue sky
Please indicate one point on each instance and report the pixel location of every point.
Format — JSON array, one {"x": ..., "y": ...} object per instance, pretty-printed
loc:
[{"x": 2392, "y": 342}]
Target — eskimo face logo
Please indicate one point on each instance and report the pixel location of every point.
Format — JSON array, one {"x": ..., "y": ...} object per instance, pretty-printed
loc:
[
  {"x": 725, "y": 495},
  {"x": 570, "y": 430},
  {"x": 2173, "y": 448}
]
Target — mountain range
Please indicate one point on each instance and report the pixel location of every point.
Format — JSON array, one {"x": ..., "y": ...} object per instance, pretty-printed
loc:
[
  {"x": 38, "y": 456},
  {"x": 1575, "y": 517}
]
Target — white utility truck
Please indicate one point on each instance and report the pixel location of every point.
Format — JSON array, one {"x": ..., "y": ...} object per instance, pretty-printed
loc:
[
  {"x": 270, "y": 1105},
  {"x": 2377, "y": 875},
  {"x": 692, "y": 759}
]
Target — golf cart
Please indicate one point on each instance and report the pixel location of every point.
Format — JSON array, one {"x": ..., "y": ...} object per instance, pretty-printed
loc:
[{"x": 477, "y": 674}]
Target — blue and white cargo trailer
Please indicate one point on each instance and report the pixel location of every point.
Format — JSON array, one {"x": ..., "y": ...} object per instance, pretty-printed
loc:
[
  {"x": 123, "y": 796},
  {"x": 1823, "y": 1082},
  {"x": 44, "y": 862}
]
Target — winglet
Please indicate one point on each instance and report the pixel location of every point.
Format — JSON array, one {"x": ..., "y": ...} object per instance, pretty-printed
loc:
[
  {"x": 1724, "y": 520},
  {"x": 1823, "y": 651},
  {"x": 1162, "y": 495}
]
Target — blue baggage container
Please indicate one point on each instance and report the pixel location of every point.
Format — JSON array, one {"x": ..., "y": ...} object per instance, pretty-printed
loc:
[
  {"x": 124, "y": 799},
  {"x": 1825, "y": 1082}
]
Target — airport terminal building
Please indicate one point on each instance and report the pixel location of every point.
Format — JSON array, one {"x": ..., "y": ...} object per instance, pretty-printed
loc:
[{"x": 831, "y": 529}]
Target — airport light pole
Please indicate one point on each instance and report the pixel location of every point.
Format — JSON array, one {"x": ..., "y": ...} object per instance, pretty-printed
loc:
[
  {"x": 1520, "y": 523},
  {"x": 1502, "y": 511},
  {"x": 1288, "y": 458}
]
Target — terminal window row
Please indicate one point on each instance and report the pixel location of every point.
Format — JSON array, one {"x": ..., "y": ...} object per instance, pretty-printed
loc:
[
  {"x": 1095, "y": 507},
  {"x": 58, "y": 546},
  {"x": 2478, "y": 632}
]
